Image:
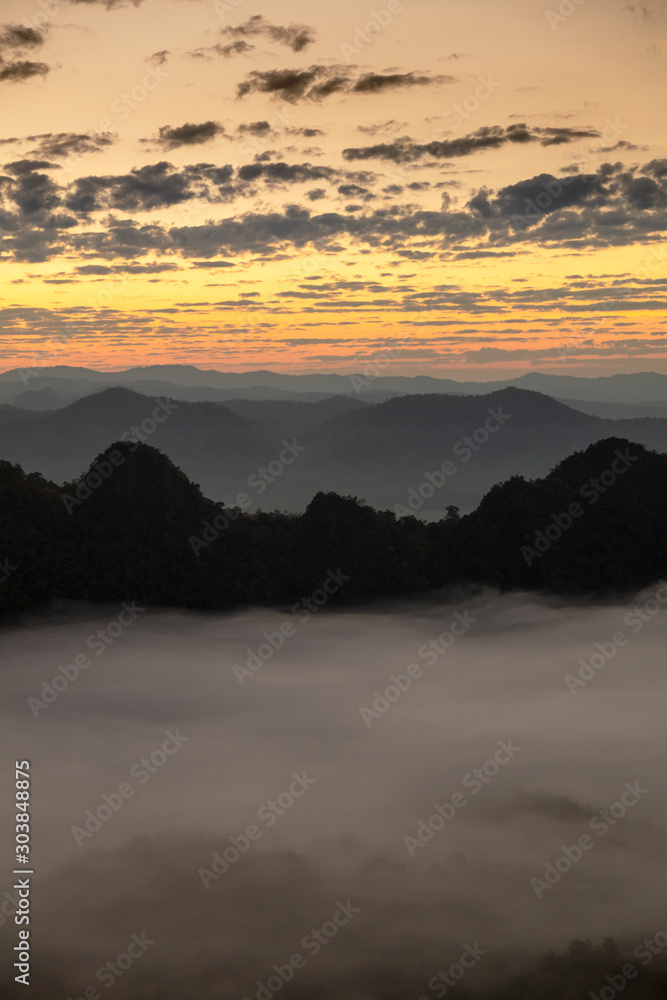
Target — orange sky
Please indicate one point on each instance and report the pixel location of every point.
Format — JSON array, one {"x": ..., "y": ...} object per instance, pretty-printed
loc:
[{"x": 360, "y": 184}]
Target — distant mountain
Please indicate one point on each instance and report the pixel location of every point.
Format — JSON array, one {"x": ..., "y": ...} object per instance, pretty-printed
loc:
[
  {"x": 134, "y": 528},
  {"x": 42, "y": 399},
  {"x": 616, "y": 411},
  {"x": 633, "y": 388},
  {"x": 383, "y": 453},
  {"x": 205, "y": 437}
]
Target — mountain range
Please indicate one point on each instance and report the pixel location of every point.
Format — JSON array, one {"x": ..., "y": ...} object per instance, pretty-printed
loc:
[
  {"x": 380, "y": 452},
  {"x": 49, "y": 387},
  {"x": 134, "y": 528}
]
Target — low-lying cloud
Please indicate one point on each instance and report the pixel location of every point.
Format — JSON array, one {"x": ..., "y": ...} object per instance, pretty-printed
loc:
[{"x": 447, "y": 699}]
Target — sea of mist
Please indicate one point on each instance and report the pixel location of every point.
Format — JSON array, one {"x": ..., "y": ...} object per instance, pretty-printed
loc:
[{"x": 240, "y": 737}]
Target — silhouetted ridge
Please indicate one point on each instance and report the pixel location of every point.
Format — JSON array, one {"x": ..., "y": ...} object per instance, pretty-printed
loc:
[{"x": 135, "y": 528}]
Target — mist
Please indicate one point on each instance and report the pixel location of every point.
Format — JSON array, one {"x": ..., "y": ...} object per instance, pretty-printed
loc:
[{"x": 249, "y": 805}]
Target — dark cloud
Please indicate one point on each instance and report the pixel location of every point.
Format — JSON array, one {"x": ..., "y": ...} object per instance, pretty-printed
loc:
[
  {"x": 296, "y": 37},
  {"x": 172, "y": 137},
  {"x": 237, "y": 48},
  {"x": 100, "y": 269},
  {"x": 159, "y": 58},
  {"x": 612, "y": 206},
  {"x": 373, "y": 83},
  {"x": 144, "y": 188},
  {"x": 405, "y": 150},
  {"x": 19, "y": 167},
  {"x": 307, "y": 133},
  {"x": 388, "y": 126},
  {"x": 72, "y": 143},
  {"x": 19, "y": 36},
  {"x": 285, "y": 172},
  {"x": 658, "y": 168},
  {"x": 17, "y": 72},
  {"x": 318, "y": 82},
  {"x": 259, "y": 129},
  {"x": 18, "y": 40}
]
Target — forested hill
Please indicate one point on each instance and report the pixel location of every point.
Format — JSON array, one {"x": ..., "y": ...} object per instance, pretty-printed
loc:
[{"x": 135, "y": 528}]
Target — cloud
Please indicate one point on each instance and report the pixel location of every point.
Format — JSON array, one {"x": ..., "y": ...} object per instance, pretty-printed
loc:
[
  {"x": 285, "y": 172},
  {"x": 100, "y": 269},
  {"x": 72, "y": 143},
  {"x": 40, "y": 218},
  {"x": 391, "y": 125},
  {"x": 173, "y": 137},
  {"x": 19, "y": 36},
  {"x": 259, "y": 129},
  {"x": 405, "y": 150},
  {"x": 239, "y": 47},
  {"x": 19, "y": 167},
  {"x": 318, "y": 82},
  {"x": 17, "y": 72},
  {"x": 296, "y": 37},
  {"x": 154, "y": 186},
  {"x": 306, "y": 133},
  {"x": 374, "y": 83},
  {"x": 345, "y": 838},
  {"x": 18, "y": 40},
  {"x": 159, "y": 58}
]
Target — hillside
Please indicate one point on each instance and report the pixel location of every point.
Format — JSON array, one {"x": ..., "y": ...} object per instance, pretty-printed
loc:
[
  {"x": 381, "y": 452},
  {"x": 134, "y": 528}
]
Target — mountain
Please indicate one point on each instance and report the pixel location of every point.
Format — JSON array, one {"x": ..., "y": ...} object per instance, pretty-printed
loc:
[
  {"x": 205, "y": 437},
  {"x": 370, "y": 384},
  {"x": 391, "y": 454},
  {"x": 616, "y": 411},
  {"x": 594, "y": 523},
  {"x": 42, "y": 399},
  {"x": 134, "y": 528},
  {"x": 383, "y": 453}
]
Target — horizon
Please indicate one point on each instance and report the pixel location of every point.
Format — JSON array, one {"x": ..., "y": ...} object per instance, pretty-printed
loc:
[{"x": 480, "y": 377}]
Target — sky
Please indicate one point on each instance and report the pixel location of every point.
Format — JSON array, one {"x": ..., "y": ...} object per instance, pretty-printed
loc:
[{"x": 464, "y": 190}]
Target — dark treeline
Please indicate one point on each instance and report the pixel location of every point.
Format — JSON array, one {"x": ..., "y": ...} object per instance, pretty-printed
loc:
[{"x": 134, "y": 527}]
